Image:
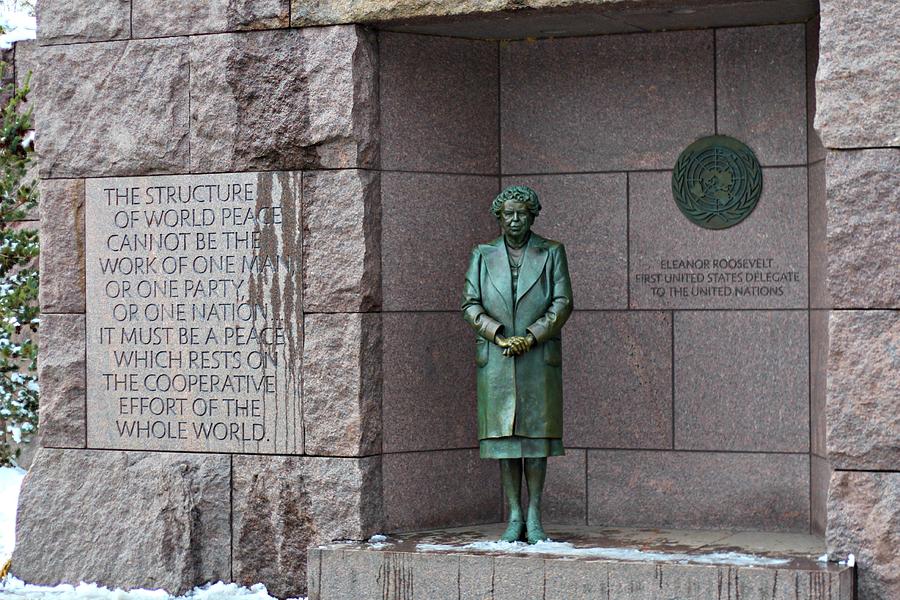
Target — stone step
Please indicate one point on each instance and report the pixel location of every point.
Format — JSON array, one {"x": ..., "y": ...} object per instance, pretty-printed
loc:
[{"x": 581, "y": 563}]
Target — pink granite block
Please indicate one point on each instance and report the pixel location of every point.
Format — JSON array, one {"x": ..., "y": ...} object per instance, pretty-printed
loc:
[
  {"x": 742, "y": 381},
  {"x": 604, "y": 103},
  {"x": 439, "y": 489},
  {"x": 430, "y": 223},
  {"x": 438, "y": 104},
  {"x": 429, "y": 382},
  {"x": 698, "y": 490},
  {"x": 761, "y": 90},
  {"x": 617, "y": 386}
]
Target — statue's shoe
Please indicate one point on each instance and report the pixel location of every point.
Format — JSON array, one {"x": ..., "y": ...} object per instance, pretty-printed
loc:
[
  {"x": 515, "y": 532},
  {"x": 536, "y": 533}
]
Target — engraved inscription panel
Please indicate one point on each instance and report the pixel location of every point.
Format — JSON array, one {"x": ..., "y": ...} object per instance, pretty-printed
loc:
[
  {"x": 760, "y": 263},
  {"x": 194, "y": 313}
]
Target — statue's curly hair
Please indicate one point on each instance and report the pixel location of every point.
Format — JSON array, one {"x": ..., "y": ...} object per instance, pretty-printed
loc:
[{"x": 519, "y": 193}]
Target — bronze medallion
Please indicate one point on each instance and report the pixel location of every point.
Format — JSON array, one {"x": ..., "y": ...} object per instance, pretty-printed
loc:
[{"x": 717, "y": 182}]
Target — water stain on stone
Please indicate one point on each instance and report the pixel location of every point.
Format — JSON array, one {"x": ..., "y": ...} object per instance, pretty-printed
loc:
[
  {"x": 274, "y": 286},
  {"x": 396, "y": 578}
]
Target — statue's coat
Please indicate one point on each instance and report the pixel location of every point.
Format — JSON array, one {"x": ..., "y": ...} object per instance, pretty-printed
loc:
[{"x": 519, "y": 395}]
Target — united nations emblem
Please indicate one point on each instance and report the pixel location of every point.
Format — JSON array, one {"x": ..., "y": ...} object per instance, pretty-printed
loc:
[{"x": 717, "y": 182}]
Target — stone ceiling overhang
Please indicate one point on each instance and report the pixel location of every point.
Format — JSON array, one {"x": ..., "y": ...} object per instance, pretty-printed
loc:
[{"x": 511, "y": 19}]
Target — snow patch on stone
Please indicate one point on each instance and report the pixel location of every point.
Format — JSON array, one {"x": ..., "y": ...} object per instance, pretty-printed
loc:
[{"x": 629, "y": 554}]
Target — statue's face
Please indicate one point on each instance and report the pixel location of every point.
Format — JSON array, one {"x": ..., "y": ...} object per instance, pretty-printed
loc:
[{"x": 515, "y": 220}]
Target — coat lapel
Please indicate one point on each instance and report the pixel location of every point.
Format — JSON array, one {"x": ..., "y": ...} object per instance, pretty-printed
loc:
[
  {"x": 532, "y": 265},
  {"x": 497, "y": 263}
]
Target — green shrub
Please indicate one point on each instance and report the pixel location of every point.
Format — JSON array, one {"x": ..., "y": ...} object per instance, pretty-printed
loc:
[{"x": 18, "y": 278}]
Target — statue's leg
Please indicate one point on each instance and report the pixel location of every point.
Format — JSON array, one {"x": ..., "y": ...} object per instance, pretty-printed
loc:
[
  {"x": 511, "y": 473},
  {"x": 535, "y": 473}
]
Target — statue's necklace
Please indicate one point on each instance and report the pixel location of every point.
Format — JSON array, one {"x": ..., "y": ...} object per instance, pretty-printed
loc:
[{"x": 516, "y": 255}]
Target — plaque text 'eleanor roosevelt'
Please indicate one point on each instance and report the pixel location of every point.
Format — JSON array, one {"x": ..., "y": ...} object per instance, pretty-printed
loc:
[{"x": 193, "y": 313}]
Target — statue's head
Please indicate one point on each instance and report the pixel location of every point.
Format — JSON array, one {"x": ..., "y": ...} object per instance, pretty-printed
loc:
[{"x": 516, "y": 208}]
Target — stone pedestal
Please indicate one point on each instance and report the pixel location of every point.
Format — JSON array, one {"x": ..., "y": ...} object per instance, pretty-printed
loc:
[{"x": 625, "y": 564}]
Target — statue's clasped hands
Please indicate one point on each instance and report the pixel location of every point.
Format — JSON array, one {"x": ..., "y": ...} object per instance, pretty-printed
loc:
[{"x": 515, "y": 345}]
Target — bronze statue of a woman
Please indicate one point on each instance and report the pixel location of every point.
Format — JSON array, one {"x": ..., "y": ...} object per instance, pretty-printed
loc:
[{"x": 517, "y": 297}]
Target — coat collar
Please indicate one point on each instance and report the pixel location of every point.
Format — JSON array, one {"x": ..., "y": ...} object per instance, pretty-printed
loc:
[{"x": 497, "y": 261}]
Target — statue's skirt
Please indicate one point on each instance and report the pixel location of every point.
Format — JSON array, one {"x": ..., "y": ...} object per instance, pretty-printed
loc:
[{"x": 515, "y": 446}]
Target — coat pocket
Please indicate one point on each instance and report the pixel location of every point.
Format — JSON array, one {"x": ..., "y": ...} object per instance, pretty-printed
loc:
[
  {"x": 481, "y": 352},
  {"x": 553, "y": 352}
]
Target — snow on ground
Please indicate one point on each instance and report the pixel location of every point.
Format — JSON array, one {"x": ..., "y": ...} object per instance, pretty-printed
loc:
[
  {"x": 10, "y": 482},
  {"x": 15, "y": 589},
  {"x": 17, "y": 24},
  {"x": 630, "y": 554}
]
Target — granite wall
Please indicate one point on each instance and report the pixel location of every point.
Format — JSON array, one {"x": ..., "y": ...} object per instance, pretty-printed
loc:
[
  {"x": 134, "y": 88},
  {"x": 296, "y": 106},
  {"x": 859, "y": 120}
]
